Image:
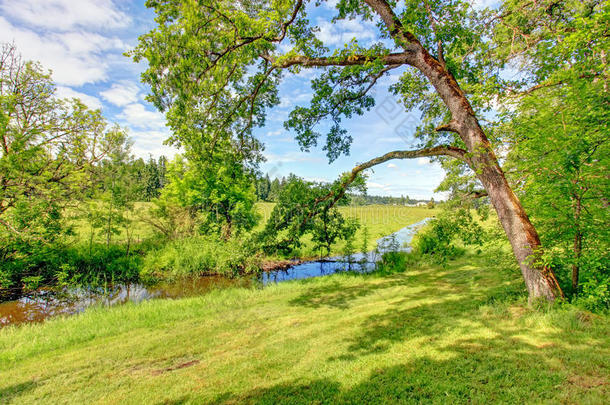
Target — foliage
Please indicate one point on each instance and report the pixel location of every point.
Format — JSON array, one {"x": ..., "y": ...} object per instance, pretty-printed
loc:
[
  {"x": 306, "y": 208},
  {"x": 49, "y": 147},
  {"x": 560, "y": 152},
  {"x": 57, "y": 264},
  {"x": 221, "y": 191},
  {"x": 199, "y": 256},
  {"x": 437, "y": 239},
  {"x": 51, "y": 151},
  {"x": 171, "y": 220},
  {"x": 329, "y": 227}
]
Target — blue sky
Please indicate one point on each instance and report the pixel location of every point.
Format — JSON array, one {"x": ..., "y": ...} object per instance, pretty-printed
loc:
[{"x": 82, "y": 42}]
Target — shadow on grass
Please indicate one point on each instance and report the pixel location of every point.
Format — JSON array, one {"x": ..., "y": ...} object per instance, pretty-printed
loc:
[
  {"x": 13, "y": 391},
  {"x": 503, "y": 369}
]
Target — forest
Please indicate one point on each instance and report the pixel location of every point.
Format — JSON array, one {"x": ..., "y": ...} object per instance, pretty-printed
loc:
[{"x": 210, "y": 276}]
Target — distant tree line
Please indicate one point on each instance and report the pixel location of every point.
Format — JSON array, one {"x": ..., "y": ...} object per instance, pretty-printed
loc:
[
  {"x": 144, "y": 178},
  {"x": 268, "y": 190}
]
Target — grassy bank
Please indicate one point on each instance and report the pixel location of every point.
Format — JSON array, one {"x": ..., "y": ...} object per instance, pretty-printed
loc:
[{"x": 436, "y": 335}]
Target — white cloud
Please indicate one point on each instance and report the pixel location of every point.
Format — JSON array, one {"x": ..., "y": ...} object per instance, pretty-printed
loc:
[
  {"x": 121, "y": 94},
  {"x": 275, "y": 133},
  {"x": 75, "y": 58},
  {"x": 378, "y": 186},
  {"x": 422, "y": 161},
  {"x": 151, "y": 143},
  {"x": 330, "y": 4},
  {"x": 89, "y": 101},
  {"x": 138, "y": 116},
  {"x": 343, "y": 31},
  {"x": 392, "y": 166},
  {"x": 65, "y": 15}
]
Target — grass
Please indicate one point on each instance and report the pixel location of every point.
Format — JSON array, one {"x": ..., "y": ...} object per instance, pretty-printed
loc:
[
  {"x": 458, "y": 334},
  {"x": 380, "y": 220}
]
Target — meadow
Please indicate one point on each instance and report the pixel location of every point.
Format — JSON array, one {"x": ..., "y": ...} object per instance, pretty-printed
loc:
[
  {"x": 462, "y": 333},
  {"x": 379, "y": 221}
]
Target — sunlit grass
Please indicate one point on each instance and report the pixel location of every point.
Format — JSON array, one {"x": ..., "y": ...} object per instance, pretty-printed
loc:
[
  {"x": 434, "y": 335},
  {"x": 380, "y": 220}
]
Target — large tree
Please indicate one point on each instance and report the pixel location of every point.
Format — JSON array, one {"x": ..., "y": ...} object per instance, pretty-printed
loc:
[
  {"x": 215, "y": 65},
  {"x": 49, "y": 148}
]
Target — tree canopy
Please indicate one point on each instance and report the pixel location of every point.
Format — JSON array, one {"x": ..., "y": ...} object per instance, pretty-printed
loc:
[{"x": 215, "y": 67}]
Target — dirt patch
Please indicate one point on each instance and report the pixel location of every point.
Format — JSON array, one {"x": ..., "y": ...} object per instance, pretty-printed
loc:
[
  {"x": 587, "y": 381},
  {"x": 176, "y": 367},
  {"x": 272, "y": 265}
]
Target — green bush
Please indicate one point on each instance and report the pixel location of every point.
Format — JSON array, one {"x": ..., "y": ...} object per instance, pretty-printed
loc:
[
  {"x": 438, "y": 239},
  {"x": 393, "y": 262},
  {"x": 35, "y": 265},
  {"x": 201, "y": 255},
  {"x": 595, "y": 294}
]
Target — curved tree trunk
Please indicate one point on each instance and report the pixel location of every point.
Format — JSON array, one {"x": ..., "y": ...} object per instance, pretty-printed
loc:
[{"x": 540, "y": 281}]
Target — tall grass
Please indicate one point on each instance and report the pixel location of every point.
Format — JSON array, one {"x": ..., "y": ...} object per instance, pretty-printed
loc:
[{"x": 200, "y": 255}]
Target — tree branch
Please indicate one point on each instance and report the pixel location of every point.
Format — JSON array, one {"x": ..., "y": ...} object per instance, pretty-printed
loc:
[
  {"x": 404, "y": 38},
  {"x": 390, "y": 59},
  {"x": 336, "y": 195}
]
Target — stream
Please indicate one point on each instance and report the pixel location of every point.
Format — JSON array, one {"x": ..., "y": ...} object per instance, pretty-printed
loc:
[{"x": 47, "y": 303}]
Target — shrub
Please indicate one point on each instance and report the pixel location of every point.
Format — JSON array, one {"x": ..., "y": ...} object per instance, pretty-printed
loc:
[
  {"x": 437, "y": 239},
  {"x": 201, "y": 255},
  {"x": 37, "y": 265}
]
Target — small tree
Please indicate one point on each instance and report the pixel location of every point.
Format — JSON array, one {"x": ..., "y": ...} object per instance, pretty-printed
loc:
[
  {"x": 329, "y": 227},
  {"x": 49, "y": 148},
  {"x": 222, "y": 191},
  {"x": 49, "y": 151},
  {"x": 300, "y": 210}
]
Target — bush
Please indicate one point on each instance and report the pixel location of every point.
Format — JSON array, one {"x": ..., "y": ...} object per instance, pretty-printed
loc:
[
  {"x": 35, "y": 265},
  {"x": 201, "y": 255},
  {"x": 437, "y": 239},
  {"x": 595, "y": 294},
  {"x": 395, "y": 262}
]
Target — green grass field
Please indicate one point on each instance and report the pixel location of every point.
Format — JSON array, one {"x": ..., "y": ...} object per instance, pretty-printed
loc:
[
  {"x": 380, "y": 220},
  {"x": 459, "y": 334}
]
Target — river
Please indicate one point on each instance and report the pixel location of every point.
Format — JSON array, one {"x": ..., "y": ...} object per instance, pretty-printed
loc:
[{"x": 47, "y": 303}]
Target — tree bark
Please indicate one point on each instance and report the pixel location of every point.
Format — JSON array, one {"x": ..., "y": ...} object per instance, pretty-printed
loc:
[{"x": 540, "y": 281}]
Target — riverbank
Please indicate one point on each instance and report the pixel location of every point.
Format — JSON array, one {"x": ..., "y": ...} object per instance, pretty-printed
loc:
[
  {"x": 457, "y": 334},
  {"x": 182, "y": 277}
]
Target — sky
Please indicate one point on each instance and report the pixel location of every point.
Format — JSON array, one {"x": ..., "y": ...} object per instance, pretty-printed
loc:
[{"x": 83, "y": 43}]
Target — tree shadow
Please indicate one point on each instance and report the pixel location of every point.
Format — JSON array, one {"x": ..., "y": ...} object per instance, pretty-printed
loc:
[
  {"x": 337, "y": 295},
  {"x": 503, "y": 369},
  {"x": 13, "y": 391}
]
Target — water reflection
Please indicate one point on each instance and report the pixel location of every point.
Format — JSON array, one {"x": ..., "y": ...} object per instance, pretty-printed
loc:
[{"x": 49, "y": 303}]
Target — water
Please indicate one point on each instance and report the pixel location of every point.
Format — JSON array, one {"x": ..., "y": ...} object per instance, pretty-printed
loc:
[{"x": 44, "y": 304}]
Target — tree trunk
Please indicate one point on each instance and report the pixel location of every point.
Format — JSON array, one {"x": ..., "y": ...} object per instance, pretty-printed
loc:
[
  {"x": 576, "y": 265},
  {"x": 540, "y": 281}
]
